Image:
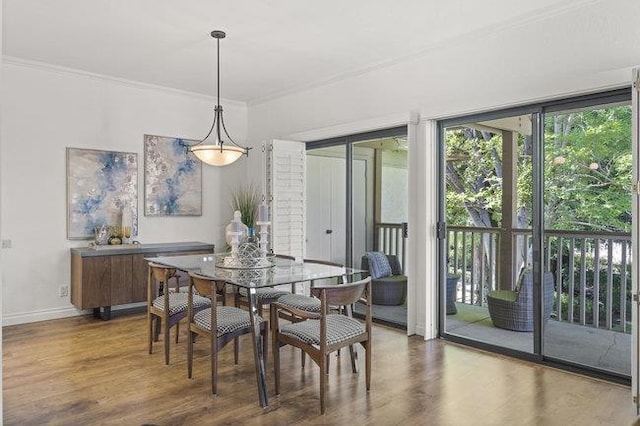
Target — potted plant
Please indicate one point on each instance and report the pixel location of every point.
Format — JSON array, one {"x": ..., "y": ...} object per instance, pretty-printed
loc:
[{"x": 246, "y": 199}]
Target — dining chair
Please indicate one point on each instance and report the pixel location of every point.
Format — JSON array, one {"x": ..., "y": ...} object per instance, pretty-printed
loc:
[
  {"x": 219, "y": 324},
  {"x": 166, "y": 308},
  {"x": 307, "y": 303},
  {"x": 264, "y": 295},
  {"x": 325, "y": 332}
]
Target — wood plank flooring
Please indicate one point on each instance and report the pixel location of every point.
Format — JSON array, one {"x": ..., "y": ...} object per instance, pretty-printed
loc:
[{"x": 84, "y": 371}]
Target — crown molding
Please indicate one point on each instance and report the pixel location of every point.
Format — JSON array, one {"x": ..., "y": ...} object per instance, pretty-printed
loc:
[
  {"x": 497, "y": 28},
  {"x": 344, "y": 129},
  {"x": 37, "y": 65}
]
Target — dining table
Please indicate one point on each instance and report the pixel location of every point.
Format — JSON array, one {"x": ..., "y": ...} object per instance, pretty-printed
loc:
[{"x": 275, "y": 271}]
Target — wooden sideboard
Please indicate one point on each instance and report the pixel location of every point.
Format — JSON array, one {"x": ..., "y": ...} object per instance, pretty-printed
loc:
[{"x": 103, "y": 276}]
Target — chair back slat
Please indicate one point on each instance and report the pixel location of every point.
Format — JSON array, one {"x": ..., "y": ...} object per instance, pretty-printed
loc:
[
  {"x": 204, "y": 286},
  {"x": 341, "y": 294},
  {"x": 159, "y": 271}
]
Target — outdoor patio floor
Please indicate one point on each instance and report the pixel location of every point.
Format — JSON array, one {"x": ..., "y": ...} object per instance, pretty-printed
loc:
[
  {"x": 393, "y": 316},
  {"x": 602, "y": 349}
]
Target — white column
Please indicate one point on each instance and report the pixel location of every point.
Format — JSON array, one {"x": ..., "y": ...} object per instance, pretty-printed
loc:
[{"x": 422, "y": 242}]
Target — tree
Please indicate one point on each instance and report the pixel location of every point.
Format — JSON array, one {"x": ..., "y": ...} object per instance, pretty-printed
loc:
[{"x": 587, "y": 173}]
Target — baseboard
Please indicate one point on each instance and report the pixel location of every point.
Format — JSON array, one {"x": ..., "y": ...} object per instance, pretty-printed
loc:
[
  {"x": 55, "y": 313},
  {"x": 47, "y": 314}
]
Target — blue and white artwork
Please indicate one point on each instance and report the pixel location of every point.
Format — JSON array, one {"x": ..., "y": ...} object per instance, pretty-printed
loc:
[
  {"x": 172, "y": 177},
  {"x": 101, "y": 185}
]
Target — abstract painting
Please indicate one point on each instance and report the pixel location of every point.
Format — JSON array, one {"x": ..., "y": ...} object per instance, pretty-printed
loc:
[
  {"x": 172, "y": 177},
  {"x": 101, "y": 185}
]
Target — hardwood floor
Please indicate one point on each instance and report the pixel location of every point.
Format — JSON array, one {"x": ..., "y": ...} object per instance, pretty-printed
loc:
[{"x": 84, "y": 371}]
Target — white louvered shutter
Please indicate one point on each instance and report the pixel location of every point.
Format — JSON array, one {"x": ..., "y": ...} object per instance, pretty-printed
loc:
[{"x": 286, "y": 171}]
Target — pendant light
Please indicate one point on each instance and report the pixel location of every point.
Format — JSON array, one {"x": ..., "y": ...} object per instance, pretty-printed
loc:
[{"x": 213, "y": 150}]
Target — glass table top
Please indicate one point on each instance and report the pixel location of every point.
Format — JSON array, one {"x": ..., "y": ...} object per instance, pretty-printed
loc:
[{"x": 280, "y": 271}]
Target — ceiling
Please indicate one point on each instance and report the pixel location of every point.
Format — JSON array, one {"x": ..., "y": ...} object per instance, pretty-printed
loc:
[{"x": 273, "y": 47}]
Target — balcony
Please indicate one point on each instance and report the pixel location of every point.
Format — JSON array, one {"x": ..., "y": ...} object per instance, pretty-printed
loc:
[{"x": 590, "y": 320}]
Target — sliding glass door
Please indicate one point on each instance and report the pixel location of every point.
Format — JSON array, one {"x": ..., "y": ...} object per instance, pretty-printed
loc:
[
  {"x": 489, "y": 285},
  {"x": 587, "y": 175},
  {"x": 536, "y": 244},
  {"x": 357, "y": 203}
]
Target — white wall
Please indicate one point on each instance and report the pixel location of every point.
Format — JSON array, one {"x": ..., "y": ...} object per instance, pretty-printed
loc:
[
  {"x": 394, "y": 187},
  {"x": 576, "y": 52},
  {"x": 47, "y": 109}
]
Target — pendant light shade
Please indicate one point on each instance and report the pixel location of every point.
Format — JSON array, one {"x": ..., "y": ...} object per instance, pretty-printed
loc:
[
  {"x": 217, "y": 154},
  {"x": 213, "y": 149}
]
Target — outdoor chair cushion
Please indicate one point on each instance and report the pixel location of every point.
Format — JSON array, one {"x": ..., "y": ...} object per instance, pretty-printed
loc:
[{"x": 379, "y": 266}]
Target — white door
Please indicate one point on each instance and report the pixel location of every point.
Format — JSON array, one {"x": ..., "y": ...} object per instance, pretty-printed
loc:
[
  {"x": 326, "y": 208},
  {"x": 326, "y": 203},
  {"x": 319, "y": 228}
]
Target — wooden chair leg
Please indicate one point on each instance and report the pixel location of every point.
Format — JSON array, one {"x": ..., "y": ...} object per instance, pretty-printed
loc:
[
  {"x": 150, "y": 326},
  {"x": 368, "y": 363},
  {"x": 303, "y": 357},
  {"x": 157, "y": 325},
  {"x": 190, "y": 336},
  {"x": 236, "y": 350},
  {"x": 323, "y": 381},
  {"x": 214, "y": 368},
  {"x": 167, "y": 339},
  {"x": 177, "y": 330},
  {"x": 354, "y": 359}
]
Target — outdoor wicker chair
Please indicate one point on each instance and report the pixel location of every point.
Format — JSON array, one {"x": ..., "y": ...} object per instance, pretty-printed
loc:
[
  {"x": 513, "y": 310},
  {"x": 391, "y": 290}
]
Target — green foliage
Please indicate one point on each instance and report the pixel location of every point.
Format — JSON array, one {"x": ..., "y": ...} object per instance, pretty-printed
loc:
[
  {"x": 590, "y": 189},
  {"x": 587, "y": 173},
  {"x": 246, "y": 199}
]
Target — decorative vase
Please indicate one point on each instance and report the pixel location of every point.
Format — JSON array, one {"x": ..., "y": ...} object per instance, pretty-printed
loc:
[{"x": 102, "y": 234}]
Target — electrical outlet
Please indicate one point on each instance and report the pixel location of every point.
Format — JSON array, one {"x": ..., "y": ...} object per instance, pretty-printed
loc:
[
  {"x": 6, "y": 243},
  {"x": 63, "y": 291}
]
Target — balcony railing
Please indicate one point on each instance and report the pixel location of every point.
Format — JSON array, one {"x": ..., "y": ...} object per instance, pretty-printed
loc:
[
  {"x": 390, "y": 238},
  {"x": 592, "y": 271}
]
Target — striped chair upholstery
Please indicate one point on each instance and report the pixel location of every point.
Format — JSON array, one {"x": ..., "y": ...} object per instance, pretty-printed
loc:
[
  {"x": 178, "y": 302},
  {"x": 340, "y": 328},
  {"x": 300, "y": 301},
  {"x": 229, "y": 319}
]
